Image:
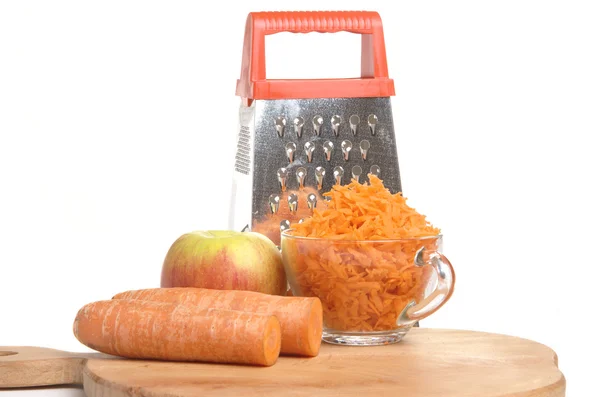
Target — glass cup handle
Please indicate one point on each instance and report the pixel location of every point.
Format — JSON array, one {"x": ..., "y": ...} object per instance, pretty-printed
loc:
[{"x": 445, "y": 287}]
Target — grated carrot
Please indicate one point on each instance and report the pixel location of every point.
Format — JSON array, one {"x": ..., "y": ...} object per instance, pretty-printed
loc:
[{"x": 362, "y": 269}]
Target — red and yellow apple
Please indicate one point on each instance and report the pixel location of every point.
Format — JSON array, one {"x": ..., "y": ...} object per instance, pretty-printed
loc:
[{"x": 225, "y": 259}]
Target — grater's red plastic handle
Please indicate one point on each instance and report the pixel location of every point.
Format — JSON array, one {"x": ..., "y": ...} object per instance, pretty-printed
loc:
[{"x": 374, "y": 80}]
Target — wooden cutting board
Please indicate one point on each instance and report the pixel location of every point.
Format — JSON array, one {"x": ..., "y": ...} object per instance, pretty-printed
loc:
[{"x": 428, "y": 362}]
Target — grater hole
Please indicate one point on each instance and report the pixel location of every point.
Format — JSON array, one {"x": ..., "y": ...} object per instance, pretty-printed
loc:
[
  {"x": 320, "y": 175},
  {"x": 354, "y": 122},
  {"x": 311, "y": 201},
  {"x": 317, "y": 124},
  {"x": 274, "y": 203},
  {"x": 336, "y": 121},
  {"x": 280, "y": 123},
  {"x": 372, "y": 121},
  {"x": 328, "y": 149},
  {"x": 346, "y": 148},
  {"x": 293, "y": 203},
  {"x": 309, "y": 148},
  {"x": 356, "y": 172},
  {"x": 284, "y": 225},
  {"x": 375, "y": 170},
  {"x": 338, "y": 174},
  {"x": 282, "y": 178},
  {"x": 300, "y": 177},
  {"x": 290, "y": 150},
  {"x": 298, "y": 124},
  {"x": 364, "y": 148}
]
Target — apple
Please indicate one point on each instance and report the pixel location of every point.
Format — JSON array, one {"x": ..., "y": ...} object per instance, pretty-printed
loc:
[{"x": 225, "y": 259}]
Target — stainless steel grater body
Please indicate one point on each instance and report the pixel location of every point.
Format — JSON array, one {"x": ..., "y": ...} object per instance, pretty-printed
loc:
[{"x": 283, "y": 143}]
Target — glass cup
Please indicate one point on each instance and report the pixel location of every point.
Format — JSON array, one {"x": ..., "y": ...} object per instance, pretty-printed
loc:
[{"x": 373, "y": 291}]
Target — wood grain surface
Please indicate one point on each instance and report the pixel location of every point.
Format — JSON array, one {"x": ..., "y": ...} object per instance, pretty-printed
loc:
[{"x": 428, "y": 362}]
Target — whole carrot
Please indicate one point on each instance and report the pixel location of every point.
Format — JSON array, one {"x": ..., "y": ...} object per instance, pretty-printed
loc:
[
  {"x": 165, "y": 331},
  {"x": 301, "y": 318}
]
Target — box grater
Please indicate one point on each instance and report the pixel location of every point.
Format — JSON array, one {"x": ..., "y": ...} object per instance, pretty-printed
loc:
[{"x": 299, "y": 137}]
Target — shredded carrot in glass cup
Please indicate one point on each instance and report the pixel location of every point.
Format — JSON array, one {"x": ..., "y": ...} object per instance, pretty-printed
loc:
[{"x": 373, "y": 261}]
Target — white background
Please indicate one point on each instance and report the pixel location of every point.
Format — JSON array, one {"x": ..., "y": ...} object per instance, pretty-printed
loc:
[{"x": 117, "y": 128}]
